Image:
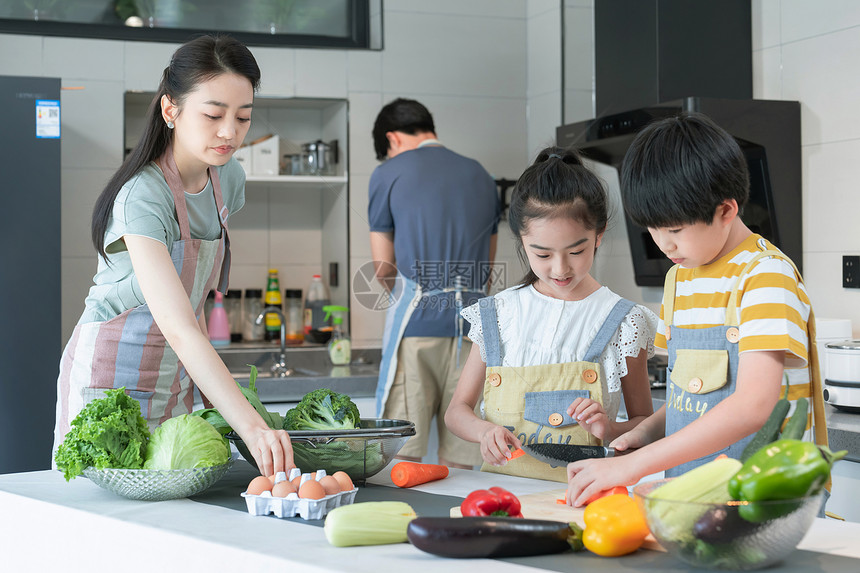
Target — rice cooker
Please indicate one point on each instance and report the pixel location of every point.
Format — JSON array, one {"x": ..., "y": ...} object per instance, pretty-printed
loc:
[{"x": 842, "y": 382}]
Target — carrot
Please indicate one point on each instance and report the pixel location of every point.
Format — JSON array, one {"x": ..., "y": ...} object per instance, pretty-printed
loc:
[
  {"x": 517, "y": 453},
  {"x": 408, "y": 474},
  {"x": 607, "y": 492}
]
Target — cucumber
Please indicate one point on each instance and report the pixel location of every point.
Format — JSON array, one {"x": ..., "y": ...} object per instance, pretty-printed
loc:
[
  {"x": 796, "y": 425},
  {"x": 769, "y": 432}
]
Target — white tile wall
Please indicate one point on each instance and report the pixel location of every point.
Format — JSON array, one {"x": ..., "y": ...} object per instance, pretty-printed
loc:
[
  {"x": 465, "y": 60},
  {"x": 810, "y": 51}
]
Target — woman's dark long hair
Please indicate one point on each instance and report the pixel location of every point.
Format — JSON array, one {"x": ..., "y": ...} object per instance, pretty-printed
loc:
[
  {"x": 556, "y": 185},
  {"x": 193, "y": 63}
]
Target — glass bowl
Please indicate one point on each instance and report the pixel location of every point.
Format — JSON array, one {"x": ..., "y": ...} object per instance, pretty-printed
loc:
[
  {"x": 717, "y": 536},
  {"x": 156, "y": 485},
  {"x": 360, "y": 453}
]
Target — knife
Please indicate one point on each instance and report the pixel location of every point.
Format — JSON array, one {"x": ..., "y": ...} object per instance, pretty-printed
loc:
[{"x": 562, "y": 454}]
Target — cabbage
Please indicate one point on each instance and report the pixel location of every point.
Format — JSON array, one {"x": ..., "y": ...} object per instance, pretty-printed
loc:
[{"x": 186, "y": 442}]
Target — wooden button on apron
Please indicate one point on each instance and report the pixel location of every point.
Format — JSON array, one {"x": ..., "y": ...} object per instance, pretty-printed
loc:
[
  {"x": 556, "y": 419},
  {"x": 589, "y": 376},
  {"x": 733, "y": 335},
  {"x": 494, "y": 379},
  {"x": 694, "y": 385}
]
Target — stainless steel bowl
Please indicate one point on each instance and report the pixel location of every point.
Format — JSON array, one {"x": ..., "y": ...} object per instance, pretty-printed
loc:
[{"x": 360, "y": 453}]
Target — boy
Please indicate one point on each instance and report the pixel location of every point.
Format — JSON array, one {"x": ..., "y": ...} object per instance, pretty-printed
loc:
[{"x": 734, "y": 311}]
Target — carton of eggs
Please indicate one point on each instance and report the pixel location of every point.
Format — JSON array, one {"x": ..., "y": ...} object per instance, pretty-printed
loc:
[{"x": 308, "y": 495}]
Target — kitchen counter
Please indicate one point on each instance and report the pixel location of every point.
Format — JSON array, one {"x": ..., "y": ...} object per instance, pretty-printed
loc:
[{"x": 49, "y": 524}]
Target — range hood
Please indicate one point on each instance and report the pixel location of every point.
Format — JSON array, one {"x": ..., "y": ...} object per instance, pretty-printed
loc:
[{"x": 657, "y": 58}]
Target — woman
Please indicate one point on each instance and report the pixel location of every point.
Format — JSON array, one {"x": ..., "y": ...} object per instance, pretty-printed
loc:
[{"x": 160, "y": 228}]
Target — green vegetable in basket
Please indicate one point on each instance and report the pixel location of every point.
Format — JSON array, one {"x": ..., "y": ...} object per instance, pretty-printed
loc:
[
  {"x": 323, "y": 409},
  {"x": 783, "y": 470},
  {"x": 214, "y": 417},
  {"x": 186, "y": 442},
  {"x": 109, "y": 432}
]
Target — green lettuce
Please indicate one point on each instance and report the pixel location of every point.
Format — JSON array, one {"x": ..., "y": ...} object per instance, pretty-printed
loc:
[
  {"x": 109, "y": 432},
  {"x": 186, "y": 442}
]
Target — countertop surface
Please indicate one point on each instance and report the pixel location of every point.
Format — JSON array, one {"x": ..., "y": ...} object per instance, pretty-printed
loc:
[{"x": 49, "y": 524}]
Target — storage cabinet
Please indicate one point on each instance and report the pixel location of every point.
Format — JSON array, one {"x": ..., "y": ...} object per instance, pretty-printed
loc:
[{"x": 298, "y": 224}]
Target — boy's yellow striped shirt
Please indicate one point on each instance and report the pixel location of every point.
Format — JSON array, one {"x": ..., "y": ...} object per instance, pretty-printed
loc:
[{"x": 774, "y": 306}]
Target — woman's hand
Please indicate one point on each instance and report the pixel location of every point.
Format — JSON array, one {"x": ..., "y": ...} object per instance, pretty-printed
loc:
[
  {"x": 272, "y": 450},
  {"x": 495, "y": 445},
  {"x": 591, "y": 416},
  {"x": 587, "y": 478}
]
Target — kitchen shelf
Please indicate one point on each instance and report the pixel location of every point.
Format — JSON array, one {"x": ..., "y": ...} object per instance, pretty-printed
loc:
[{"x": 303, "y": 180}]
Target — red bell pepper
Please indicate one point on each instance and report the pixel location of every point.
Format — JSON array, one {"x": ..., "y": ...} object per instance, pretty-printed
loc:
[{"x": 492, "y": 502}]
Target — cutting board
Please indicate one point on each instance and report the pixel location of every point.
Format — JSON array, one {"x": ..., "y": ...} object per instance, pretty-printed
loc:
[{"x": 543, "y": 505}]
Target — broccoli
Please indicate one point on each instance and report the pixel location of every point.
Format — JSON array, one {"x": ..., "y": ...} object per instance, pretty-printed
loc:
[{"x": 323, "y": 409}]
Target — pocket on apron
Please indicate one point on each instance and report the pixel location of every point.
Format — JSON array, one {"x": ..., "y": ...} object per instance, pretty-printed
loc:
[
  {"x": 700, "y": 371},
  {"x": 142, "y": 398},
  {"x": 550, "y": 408}
]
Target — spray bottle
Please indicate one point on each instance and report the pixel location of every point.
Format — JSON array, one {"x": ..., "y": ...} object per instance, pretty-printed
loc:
[{"x": 339, "y": 347}]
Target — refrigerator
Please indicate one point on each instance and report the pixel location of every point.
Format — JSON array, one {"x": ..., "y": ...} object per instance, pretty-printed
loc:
[{"x": 30, "y": 324}]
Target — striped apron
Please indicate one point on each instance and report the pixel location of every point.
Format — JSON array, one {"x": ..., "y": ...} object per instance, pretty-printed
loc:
[
  {"x": 129, "y": 350},
  {"x": 532, "y": 401}
]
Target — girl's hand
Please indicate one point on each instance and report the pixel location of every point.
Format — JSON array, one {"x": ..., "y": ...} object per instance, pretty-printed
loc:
[
  {"x": 272, "y": 450},
  {"x": 495, "y": 445},
  {"x": 632, "y": 440},
  {"x": 591, "y": 416}
]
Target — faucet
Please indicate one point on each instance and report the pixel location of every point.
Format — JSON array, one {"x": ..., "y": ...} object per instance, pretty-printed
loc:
[{"x": 279, "y": 368}]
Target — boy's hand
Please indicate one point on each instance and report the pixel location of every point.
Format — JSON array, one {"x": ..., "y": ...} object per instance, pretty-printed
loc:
[
  {"x": 495, "y": 445},
  {"x": 587, "y": 478},
  {"x": 591, "y": 416}
]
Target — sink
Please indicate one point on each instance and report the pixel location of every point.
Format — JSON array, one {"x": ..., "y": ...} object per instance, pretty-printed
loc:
[{"x": 311, "y": 368}]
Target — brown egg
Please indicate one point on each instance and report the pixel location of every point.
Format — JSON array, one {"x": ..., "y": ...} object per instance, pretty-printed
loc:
[
  {"x": 344, "y": 480},
  {"x": 272, "y": 479},
  {"x": 283, "y": 489},
  {"x": 258, "y": 485},
  {"x": 296, "y": 481},
  {"x": 330, "y": 485},
  {"x": 312, "y": 490}
]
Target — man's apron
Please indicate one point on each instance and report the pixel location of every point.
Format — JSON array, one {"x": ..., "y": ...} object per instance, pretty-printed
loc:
[
  {"x": 129, "y": 350},
  {"x": 532, "y": 401},
  {"x": 703, "y": 368},
  {"x": 405, "y": 297}
]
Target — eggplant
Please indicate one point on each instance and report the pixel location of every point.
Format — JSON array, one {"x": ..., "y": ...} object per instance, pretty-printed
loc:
[
  {"x": 722, "y": 524},
  {"x": 470, "y": 537}
]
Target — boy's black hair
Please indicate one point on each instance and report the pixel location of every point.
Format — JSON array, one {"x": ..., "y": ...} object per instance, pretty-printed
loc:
[
  {"x": 406, "y": 115},
  {"x": 556, "y": 185},
  {"x": 678, "y": 170}
]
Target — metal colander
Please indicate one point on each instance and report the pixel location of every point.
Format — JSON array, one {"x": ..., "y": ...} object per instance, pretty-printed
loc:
[
  {"x": 360, "y": 453},
  {"x": 156, "y": 485}
]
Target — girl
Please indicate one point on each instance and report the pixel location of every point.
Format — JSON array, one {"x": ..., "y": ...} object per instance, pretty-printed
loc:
[
  {"x": 552, "y": 356},
  {"x": 160, "y": 228}
]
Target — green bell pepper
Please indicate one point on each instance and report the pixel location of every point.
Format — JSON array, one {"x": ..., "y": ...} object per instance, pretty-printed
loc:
[{"x": 782, "y": 470}]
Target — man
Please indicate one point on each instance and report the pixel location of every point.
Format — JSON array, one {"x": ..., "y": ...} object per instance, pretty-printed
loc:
[{"x": 433, "y": 218}]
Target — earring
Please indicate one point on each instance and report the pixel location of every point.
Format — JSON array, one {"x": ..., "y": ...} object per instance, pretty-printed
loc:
[{"x": 169, "y": 125}]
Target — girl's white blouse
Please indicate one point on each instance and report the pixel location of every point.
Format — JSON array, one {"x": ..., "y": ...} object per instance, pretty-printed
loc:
[{"x": 537, "y": 329}]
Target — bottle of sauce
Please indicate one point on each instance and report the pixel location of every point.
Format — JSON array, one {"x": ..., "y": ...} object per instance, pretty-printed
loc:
[
  {"x": 273, "y": 298},
  {"x": 317, "y": 327},
  {"x": 295, "y": 319},
  {"x": 252, "y": 331}
]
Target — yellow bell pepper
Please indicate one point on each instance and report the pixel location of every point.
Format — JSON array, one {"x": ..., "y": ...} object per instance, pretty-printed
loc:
[{"x": 614, "y": 526}]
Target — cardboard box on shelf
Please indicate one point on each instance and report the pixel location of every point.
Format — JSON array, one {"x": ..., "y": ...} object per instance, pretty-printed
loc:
[
  {"x": 265, "y": 155},
  {"x": 245, "y": 158}
]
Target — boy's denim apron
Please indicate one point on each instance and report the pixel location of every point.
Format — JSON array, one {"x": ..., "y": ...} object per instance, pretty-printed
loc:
[
  {"x": 532, "y": 401},
  {"x": 703, "y": 368}
]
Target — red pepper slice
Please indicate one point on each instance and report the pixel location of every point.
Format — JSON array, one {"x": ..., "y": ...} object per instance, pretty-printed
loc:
[{"x": 491, "y": 502}]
